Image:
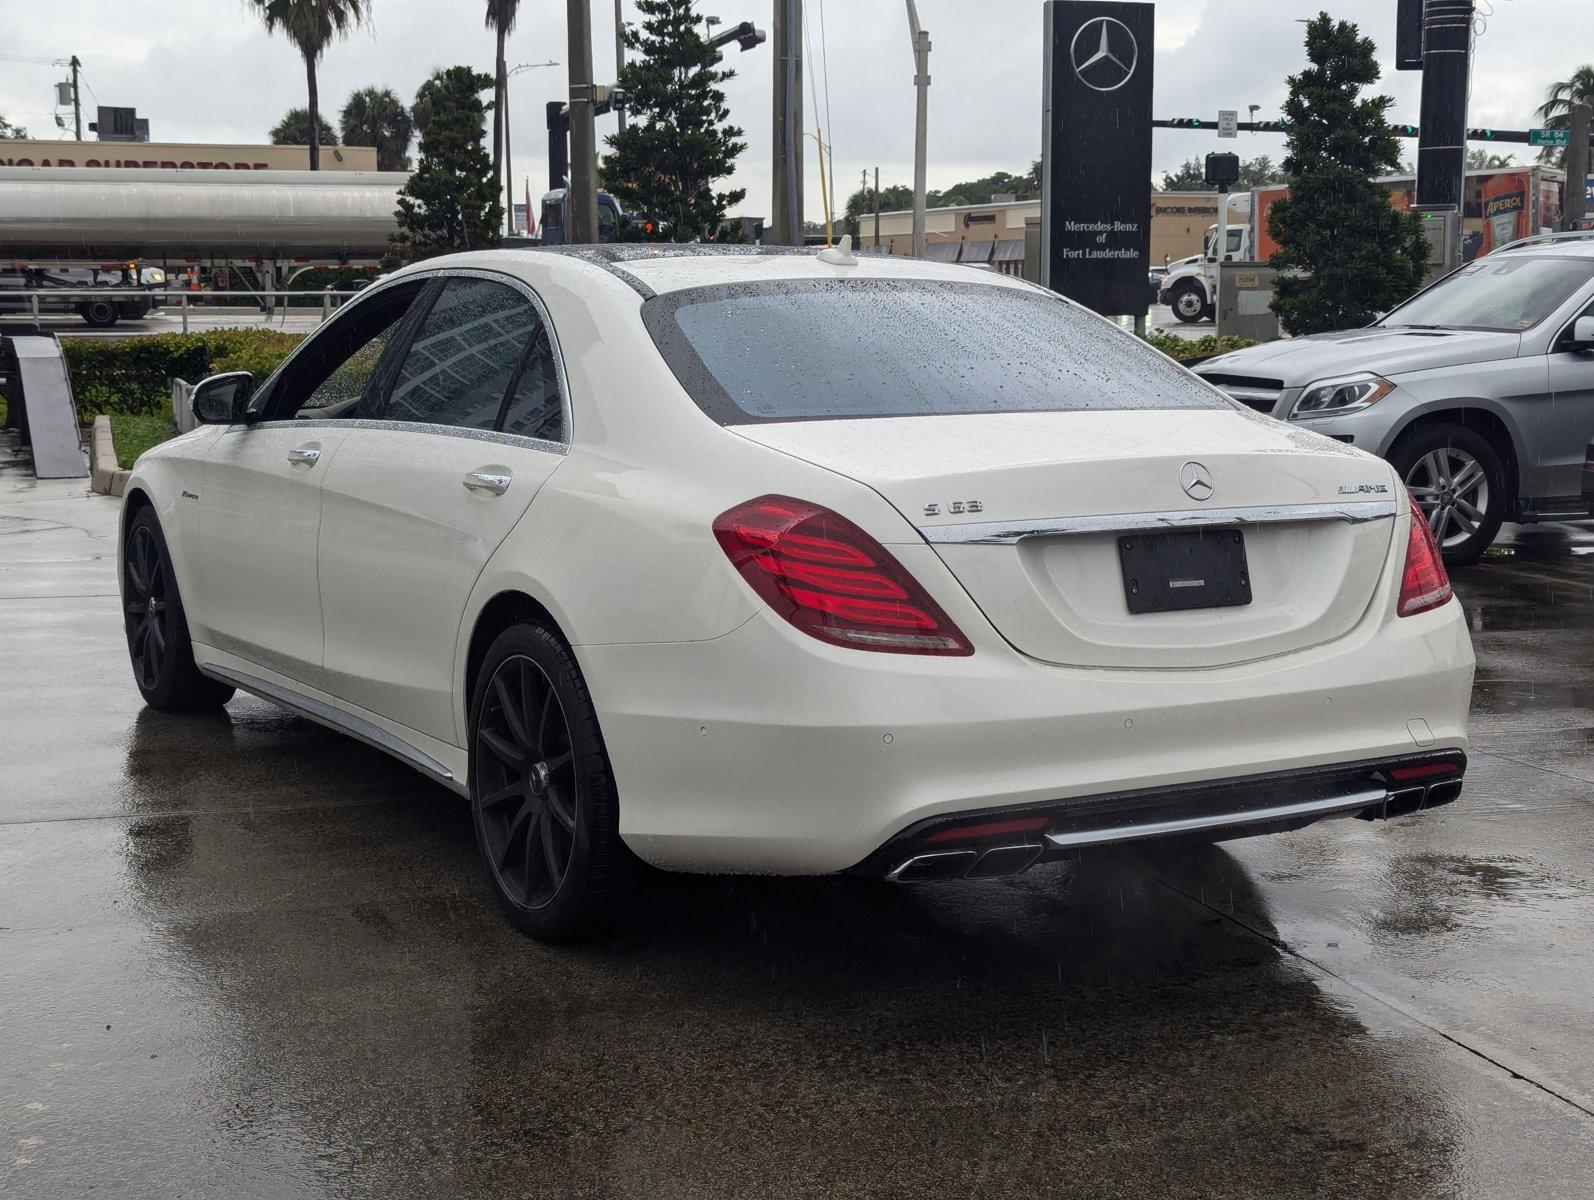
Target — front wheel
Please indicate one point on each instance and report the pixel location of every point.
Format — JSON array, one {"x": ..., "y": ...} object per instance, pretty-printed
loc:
[
  {"x": 1190, "y": 303},
  {"x": 542, "y": 795},
  {"x": 1458, "y": 480},
  {"x": 157, "y": 629}
]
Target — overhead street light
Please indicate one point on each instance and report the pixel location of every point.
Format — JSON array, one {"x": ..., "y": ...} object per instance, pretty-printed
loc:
[{"x": 509, "y": 175}]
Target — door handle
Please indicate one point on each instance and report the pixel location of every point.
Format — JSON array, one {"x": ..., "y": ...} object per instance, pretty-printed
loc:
[
  {"x": 304, "y": 456},
  {"x": 488, "y": 483}
]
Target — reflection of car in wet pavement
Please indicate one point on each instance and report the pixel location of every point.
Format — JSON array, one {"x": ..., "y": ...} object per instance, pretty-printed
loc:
[
  {"x": 1015, "y": 583},
  {"x": 1479, "y": 390}
]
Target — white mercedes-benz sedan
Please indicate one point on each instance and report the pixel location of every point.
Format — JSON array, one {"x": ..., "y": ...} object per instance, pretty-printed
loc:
[{"x": 793, "y": 563}]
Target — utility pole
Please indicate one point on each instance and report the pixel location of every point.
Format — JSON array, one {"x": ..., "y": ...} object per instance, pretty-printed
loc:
[
  {"x": 583, "y": 195},
  {"x": 509, "y": 175},
  {"x": 921, "y": 80},
  {"x": 1574, "y": 201},
  {"x": 877, "y": 206},
  {"x": 786, "y": 205},
  {"x": 619, "y": 55},
  {"x": 77, "y": 104}
]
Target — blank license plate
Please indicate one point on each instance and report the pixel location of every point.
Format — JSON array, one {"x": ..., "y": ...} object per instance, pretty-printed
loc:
[{"x": 1192, "y": 568}]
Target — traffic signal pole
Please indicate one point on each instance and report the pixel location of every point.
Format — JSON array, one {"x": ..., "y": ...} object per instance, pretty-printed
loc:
[
  {"x": 1574, "y": 198},
  {"x": 1446, "y": 80}
]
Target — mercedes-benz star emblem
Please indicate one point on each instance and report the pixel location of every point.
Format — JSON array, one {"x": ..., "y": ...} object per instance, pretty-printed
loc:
[
  {"x": 1196, "y": 481},
  {"x": 1104, "y": 54}
]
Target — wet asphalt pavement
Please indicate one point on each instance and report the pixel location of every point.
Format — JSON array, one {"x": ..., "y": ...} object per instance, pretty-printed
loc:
[{"x": 243, "y": 956}]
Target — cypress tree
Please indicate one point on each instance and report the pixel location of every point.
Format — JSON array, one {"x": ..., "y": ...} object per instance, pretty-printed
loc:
[
  {"x": 677, "y": 142},
  {"x": 1355, "y": 255},
  {"x": 450, "y": 203}
]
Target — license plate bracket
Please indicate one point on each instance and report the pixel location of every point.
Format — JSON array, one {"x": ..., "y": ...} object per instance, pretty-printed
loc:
[{"x": 1183, "y": 569}]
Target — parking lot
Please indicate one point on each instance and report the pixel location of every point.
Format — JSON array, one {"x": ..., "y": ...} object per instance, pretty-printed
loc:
[{"x": 244, "y": 954}]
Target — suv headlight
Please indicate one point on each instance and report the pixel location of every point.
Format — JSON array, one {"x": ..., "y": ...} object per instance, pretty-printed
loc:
[{"x": 1330, "y": 397}]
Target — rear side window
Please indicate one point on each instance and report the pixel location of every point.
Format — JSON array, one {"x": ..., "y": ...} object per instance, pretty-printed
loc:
[
  {"x": 802, "y": 350},
  {"x": 534, "y": 408},
  {"x": 459, "y": 364}
]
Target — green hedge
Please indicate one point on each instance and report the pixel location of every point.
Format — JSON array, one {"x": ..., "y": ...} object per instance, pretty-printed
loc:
[
  {"x": 1182, "y": 349},
  {"x": 133, "y": 375}
]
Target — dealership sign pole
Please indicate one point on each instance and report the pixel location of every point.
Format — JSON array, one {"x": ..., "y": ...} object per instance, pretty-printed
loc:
[{"x": 1096, "y": 153}]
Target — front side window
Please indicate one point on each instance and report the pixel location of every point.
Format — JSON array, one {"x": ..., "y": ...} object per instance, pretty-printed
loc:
[
  {"x": 802, "y": 350},
  {"x": 1508, "y": 294},
  {"x": 462, "y": 357},
  {"x": 332, "y": 373}
]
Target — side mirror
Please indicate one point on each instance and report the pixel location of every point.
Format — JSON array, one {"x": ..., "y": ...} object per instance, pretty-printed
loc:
[
  {"x": 223, "y": 399},
  {"x": 1583, "y": 334}
]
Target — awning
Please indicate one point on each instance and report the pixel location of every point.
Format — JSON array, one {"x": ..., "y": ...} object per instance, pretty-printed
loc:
[
  {"x": 977, "y": 252},
  {"x": 942, "y": 251},
  {"x": 1010, "y": 250}
]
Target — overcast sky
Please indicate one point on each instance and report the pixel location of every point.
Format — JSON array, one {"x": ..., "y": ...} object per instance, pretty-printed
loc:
[{"x": 205, "y": 71}]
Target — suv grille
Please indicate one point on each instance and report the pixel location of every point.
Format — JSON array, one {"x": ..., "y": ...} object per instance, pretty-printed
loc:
[{"x": 1251, "y": 391}]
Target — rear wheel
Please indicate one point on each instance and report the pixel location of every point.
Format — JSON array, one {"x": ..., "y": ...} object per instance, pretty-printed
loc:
[
  {"x": 541, "y": 792},
  {"x": 157, "y": 630},
  {"x": 1458, "y": 480},
  {"x": 1189, "y": 303},
  {"x": 100, "y": 313}
]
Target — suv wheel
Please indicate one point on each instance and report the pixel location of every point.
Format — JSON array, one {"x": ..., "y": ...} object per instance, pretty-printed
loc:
[
  {"x": 542, "y": 795},
  {"x": 1457, "y": 479},
  {"x": 1189, "y": 303}
]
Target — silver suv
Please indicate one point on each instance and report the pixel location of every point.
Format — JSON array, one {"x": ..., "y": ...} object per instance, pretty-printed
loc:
[{"x": 1479, "y": 389}]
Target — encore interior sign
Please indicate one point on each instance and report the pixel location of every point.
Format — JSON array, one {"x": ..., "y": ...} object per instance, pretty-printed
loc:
[{"x": 1096, "y": 152}]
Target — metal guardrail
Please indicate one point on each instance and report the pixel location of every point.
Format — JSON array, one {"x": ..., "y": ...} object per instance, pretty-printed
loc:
[{"x": 330, "y": 300}]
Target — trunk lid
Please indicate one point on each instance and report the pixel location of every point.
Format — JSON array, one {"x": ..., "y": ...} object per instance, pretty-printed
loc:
[{"x": 1029, "y": 509}]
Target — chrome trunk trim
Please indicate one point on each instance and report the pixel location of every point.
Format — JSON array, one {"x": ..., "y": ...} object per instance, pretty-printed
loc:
[
  {"x": 1007, "y": 533},
  {"x": 1346, "y": 804},
  {"x": 333, "y": 718}
]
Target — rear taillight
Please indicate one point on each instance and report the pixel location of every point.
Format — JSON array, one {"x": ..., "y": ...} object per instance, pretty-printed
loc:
[
  {"x": 1425, "y": 584},
  {"x": 832, "y": 580}
]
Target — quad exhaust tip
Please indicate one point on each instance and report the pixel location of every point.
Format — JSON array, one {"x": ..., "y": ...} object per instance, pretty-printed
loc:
[{"x": 972, "y": 864}]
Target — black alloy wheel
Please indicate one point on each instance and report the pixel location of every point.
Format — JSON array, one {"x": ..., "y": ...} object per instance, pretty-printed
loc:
[
  {"x": 145, "y": 607},
  {"x": 157, "y": 627},
  {"x": 542, "y": 793},
  {"x": 527, "y": 796}
]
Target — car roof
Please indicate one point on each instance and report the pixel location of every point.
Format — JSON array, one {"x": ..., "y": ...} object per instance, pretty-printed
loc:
[
  {"x": 651, "y": 268},
  {"x": 1576, "y": 244}
]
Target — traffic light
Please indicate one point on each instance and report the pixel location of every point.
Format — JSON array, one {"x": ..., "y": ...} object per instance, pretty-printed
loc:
[
  {"x": 1480, "y": 135},
  {"x": 1188, "y": 123},
  {"x": 1404, "y": 130}
]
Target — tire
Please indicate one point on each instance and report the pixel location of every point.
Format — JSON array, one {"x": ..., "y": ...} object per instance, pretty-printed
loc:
[
  {"x": 1431, "y": 460},
  {"x": 1189, "y": 303},
  {"x": 158, "y": 645},
  {"x": 101, "y": 314},
  {"x": 542, "y": 795}
]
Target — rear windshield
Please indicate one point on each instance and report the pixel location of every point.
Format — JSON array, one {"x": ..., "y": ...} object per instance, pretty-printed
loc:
[{"x": 805, "y": 350}]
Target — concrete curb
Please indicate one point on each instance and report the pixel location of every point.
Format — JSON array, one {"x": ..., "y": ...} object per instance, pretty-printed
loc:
[{"x": 105, "y": 477}]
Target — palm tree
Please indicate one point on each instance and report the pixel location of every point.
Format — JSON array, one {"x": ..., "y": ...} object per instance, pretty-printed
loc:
[
  {"x": 1556, "y": 111},
  {"x": 501, "y": 19},
  {"x": 376, "y": 117},
  {"x": 311, "y": 25}
]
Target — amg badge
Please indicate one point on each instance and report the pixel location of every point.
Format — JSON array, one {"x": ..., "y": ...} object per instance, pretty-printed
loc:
[{"x": 1355, "y": 489}]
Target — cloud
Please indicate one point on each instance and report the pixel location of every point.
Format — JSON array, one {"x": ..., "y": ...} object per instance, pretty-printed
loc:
[{"x": 205, "y": 70}]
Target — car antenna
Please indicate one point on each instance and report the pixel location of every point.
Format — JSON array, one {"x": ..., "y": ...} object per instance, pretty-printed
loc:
[{"x": 839, "y": 255}]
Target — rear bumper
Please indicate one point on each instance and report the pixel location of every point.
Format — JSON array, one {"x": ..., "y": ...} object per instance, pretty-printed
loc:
[
  {"x": 1002, "y": 841},
  {"x": 766, "y": 752}
]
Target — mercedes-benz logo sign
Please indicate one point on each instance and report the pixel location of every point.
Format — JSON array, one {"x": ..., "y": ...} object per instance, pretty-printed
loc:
[
  {"x": 1196, "y": 481},
  {"x": 1104, "y": 54}
]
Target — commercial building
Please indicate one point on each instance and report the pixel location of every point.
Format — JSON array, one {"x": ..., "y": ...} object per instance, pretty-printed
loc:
[
  {"x": 994, "y": 233},
  {"x": 187, "y": 156}
]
